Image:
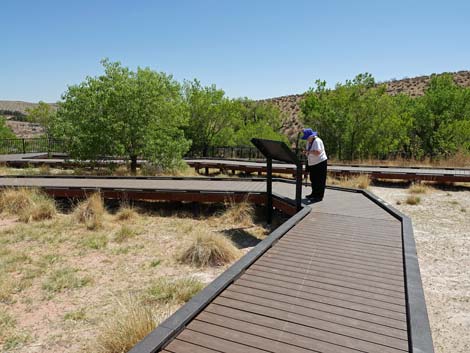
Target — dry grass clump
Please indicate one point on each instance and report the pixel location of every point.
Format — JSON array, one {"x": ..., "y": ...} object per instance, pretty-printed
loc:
[
  {"x": 91, "y": 212},
  {"x": 28, "y": 204},
  {"x": 208, "y": 249},
  {"x": 126, "y": 213},
  {"x": 418, "y": 188},
  {"x": 169, "y": 291},
  {"x": 124, "y": 233},
  {"x": 361, "y": 181},
  {"x": 413, "y": 200},
  {"x": 131, "y": 322},
  {"x": 238, "y": 213}
]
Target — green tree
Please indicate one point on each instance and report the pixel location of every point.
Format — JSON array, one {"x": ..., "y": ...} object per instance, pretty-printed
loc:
[
  {"x": 43, "y": 114},
  {"x": 5, "y": 131},
  {"x": 258, "y": 119},
  {"x": 442, "y": 117},
  {"x": 212, "y": 116},
  {"x": 124, "y": 113},
  {"x": 357, "y": 119}
]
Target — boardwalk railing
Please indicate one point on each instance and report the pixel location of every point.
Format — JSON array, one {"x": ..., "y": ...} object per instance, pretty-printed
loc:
[{"x": 31, "y": 145}]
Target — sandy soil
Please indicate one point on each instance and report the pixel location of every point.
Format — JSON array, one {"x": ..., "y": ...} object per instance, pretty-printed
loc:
[
  {"x": 441, "y": 223},
  {"x": 69, "y": 320}
]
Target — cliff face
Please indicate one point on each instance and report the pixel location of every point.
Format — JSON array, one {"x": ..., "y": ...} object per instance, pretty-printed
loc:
[{"x": 414, "y": 87}]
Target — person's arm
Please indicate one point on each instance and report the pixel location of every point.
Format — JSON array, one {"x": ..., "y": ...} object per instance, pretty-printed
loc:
[{"x": 315, "y": 149}]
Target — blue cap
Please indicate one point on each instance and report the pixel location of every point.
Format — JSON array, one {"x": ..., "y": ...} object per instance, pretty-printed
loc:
[{"x": 309, "y": 132}]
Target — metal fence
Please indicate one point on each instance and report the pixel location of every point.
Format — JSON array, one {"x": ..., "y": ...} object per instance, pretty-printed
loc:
[
  {"x": 49, "y": 145},
  {"x": 31, "y": 145}
]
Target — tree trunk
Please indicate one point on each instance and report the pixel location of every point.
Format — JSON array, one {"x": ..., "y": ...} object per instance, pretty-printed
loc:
[{"x": 134, "y": 165}]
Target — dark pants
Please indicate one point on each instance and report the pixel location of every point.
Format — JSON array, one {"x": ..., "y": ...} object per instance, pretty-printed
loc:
[{"x": 318, "y": 178}]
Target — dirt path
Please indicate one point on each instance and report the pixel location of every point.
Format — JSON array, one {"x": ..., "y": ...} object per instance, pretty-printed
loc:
[{"x": 441, "y": 223}]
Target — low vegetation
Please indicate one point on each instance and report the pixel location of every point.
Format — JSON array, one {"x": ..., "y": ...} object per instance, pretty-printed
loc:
[
  {"x": 238, "y": 212},
  {"x": 419, "y": 188},
  {"x": 130, "y": 322},
  {"x": 173, "y": 291},
  {"x": 80, "y": 268},
  {"x": 27, "y": 204},
  {"x": 207, "y": 248},
  {"x": 361, "y": 181},
  {"x": 413, "y": 200},
  {"x": 91, "y": 212}
]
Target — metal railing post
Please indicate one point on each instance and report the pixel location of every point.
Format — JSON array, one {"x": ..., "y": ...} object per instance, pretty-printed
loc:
[{"x": 269, "y": 189}]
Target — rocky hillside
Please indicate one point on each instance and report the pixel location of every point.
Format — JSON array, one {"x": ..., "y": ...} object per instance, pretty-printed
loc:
[
  {"x": 415, "y": 86},
  {"x": 21, "y": 129}
]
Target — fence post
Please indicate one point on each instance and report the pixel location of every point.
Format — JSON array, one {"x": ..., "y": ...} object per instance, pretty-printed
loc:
[{"x": 24, "y": 145}]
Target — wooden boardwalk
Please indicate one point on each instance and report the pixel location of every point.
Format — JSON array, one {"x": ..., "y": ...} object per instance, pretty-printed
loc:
[
  {"x": 341, "y": 277},
  {"x": 333, "y": 283}
]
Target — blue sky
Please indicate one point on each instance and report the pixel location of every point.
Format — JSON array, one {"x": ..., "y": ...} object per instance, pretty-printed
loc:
[{"x": 256, "y": 48}]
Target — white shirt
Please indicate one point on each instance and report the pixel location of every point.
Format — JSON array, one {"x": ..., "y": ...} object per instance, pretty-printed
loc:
[{"x": 317, "y": 145}]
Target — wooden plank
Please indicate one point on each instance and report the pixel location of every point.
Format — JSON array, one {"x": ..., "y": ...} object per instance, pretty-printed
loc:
[
  {"x": 346, "y": 237},
  {"x": 330, "y": 257},
  {"x": 338, "y": 287},
  {"x": 327, "y": 308},
  {"x": 178, "y": 346},
  {"x": 329, "y": 280},
  {"x": 290, "y": 265},
  {"x": 391, "y": 254},
  {"x": 376, "y": 287},
  {"x": 346, "y": 241},
  {"x": 315, "y": 260},
  {"x": 305, "y": 327},
  {"x": 277, "y": 336},
  {"x": 323, "y": 318},
  {"x": 325, "y": 299},
  {"x": 342, "y": 253},
  {"x": 250, "y": 340},
  {"x": 215, "y": 343}
]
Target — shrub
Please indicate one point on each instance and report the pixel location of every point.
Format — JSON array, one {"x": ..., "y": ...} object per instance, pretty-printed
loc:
[
  {"x": 177, "y": 291},
  {"x": 238, "y": 212},
  {"x": 28, "y": 204},
  {"x": 126, "y": 213},
  {"x": 131, "y": 322},
  {"x": 418, "y": 188},
  {"x": 91, "y": 211},
  {"x": 208, "y": 249},
  {"x": 413, "y": 200}
]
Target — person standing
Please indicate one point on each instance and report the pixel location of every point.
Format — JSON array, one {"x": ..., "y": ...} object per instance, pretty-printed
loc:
[{"x": 317, "y": 162}]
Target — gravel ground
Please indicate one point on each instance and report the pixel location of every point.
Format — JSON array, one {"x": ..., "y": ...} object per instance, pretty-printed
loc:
[{"x": 441, "y": 223}]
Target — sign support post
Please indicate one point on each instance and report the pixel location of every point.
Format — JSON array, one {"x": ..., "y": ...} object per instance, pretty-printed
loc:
[{"x": 278, "y": 150}]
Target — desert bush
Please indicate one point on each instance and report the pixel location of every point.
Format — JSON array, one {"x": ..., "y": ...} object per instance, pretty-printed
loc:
[
  {"x": 28, "y": 204},
  {"x": 91, "y": 212},
  {"x": 238, "y": 212},
  {"x": 126, "y": 213},
  {"x": 418, "y": 188},
  {"x": 170, "y": 291},
  {"x": 130, "y": 322},
  {"x": 361, "y": 181},
  {"x": 208, "y": 249},
  {"x": 413, "y": 200}
]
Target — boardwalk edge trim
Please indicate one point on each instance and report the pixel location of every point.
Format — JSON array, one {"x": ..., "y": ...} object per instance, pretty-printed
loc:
[{"x": 168, "y": 329}]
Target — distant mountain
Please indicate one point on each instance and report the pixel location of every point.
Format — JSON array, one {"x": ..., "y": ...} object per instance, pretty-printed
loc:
[
  {"x": 414, "y": 87},
  {"x": 18, "y": 106}
]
